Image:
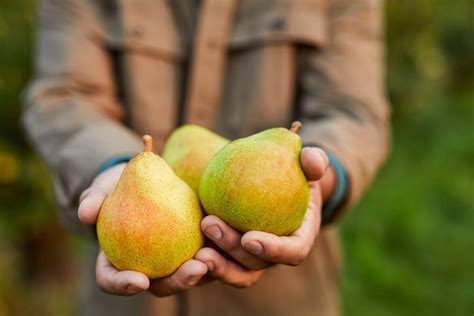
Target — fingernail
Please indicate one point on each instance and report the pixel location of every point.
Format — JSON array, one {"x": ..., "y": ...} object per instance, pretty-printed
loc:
[
  {"x": 254, "y": 246},
  {"x": 210, "y": 265},
  {"x": 323, "y": 155},
  {"x": 213, "y": 232},
  {"x": 193, "y": 279},
  {"x": 132, "y": 289}
]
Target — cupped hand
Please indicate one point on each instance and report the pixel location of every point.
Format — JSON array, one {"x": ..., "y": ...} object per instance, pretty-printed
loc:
[
  {"x": 241, "y": 259},
  {"x": 127, "y": 283}
]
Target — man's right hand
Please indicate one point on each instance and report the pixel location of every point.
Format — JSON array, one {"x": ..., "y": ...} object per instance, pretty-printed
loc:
[{"x": 127, "y": 283}]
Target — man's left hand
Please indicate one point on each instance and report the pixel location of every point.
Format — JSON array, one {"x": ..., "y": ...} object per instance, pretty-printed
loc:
[{"x": 251, "y": 253}]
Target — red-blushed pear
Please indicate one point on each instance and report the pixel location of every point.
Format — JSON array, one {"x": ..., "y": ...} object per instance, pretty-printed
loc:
[
  {"x": 189, "y": 149},
  {"x": 151, "y": 222},
  {"x": 256, "y": 183}
]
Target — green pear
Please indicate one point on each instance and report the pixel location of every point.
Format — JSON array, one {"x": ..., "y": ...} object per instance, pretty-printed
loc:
[
  {"x": 256, "y": 183},
  {"x": 151, "y": 222},
  {"x": 189, "y": 149}
]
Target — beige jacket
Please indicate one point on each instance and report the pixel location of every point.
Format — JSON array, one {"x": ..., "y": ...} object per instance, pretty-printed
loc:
[{"x": 108, "y": 71}]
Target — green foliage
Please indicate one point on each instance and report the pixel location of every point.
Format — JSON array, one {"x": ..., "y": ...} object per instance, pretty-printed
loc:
[
  {"x": 34, "y": 252},
  {"x": 408, "y": 244}
]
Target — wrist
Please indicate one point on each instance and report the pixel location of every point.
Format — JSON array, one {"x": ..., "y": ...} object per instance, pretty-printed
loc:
[
  {"x": 339, "y": 190},
  {"x": 124, "y": 159},
  {"x": 334, "y": 187}
]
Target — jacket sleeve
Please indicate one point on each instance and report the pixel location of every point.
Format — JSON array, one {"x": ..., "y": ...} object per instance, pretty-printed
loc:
[
  {"x": 71, "y": 113},
  {"x": 341, "y": 100}
]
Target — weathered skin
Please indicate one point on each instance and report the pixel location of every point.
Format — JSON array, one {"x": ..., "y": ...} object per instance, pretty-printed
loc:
[
  {"x": 256, "y": 183},
  {"x": 151, "y": 222},
  {"x": 188, "y": 151}
]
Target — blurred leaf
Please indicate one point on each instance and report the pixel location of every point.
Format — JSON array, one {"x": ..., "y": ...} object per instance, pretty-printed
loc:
[{"x": 9, "y": 168}]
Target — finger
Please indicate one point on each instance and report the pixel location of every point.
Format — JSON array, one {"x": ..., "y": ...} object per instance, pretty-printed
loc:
[
  {"x": 315, "y": 196},
  {"x": 314, "y": 162},
  {"x": 290, "y": 250},
  {"x": 186, "y": 277},
  {"x": 226, "y": 270},
  {"x": 112, "y": 281},
  {"x": 89, "y": 206},
  {"x": 228, "y": 240}
]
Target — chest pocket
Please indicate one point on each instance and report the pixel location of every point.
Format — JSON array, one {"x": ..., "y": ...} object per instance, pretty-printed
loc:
[
  {"x": 261, "y": 73},
  {"x": 143, "y": 27},
  {"x": 145, "y": 38},
  {"x": 296, "y": 21}
]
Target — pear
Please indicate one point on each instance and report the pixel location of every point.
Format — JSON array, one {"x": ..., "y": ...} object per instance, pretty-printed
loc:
[
  {"x": 151, "y": 222},
  {"x": 189, "y": 149},
  {"x": 256, "y": 183}
]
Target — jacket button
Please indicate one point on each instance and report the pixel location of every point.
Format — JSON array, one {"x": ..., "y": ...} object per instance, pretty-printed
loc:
[
  {"x": 278, "y": 24},
  {"x": 136, "y": 32}
]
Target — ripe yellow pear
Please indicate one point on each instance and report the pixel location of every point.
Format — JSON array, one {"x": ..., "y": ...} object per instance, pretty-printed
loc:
[
  {"x": 256, "y": 183},
  {"x": 151, "y": 222},
  {"x": 189, "y": 149}
]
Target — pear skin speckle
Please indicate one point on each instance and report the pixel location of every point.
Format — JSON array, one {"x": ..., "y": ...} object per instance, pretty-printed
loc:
[{"x": 256, "y": 183}]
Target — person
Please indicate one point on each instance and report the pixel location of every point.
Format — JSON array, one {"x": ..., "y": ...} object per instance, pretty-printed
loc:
[{"x": 108, "y": 71}]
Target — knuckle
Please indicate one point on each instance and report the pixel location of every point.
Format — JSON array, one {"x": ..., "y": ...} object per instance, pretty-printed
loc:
[
  {"x": 296, "y": 262},
  {"x": 221, "y": 268},
  {"x": 299, "y": 257},
  {"x": 271, "y": 251},
  {"x": 229, "y": 242},
  {"x": 228, "y": 245},
  {"x": 218, "y": 271},
  {"x": 178, "y": 284},
  {"x": 244, "y": 283},
  {"x": 249, "y": 279},
  {"x": 216, "y": 262}
]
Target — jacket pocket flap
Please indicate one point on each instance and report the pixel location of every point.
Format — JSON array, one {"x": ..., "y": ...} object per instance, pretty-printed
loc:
[
  {"x": 301, "y": 21},
  {"x": 147, "y": 29}
]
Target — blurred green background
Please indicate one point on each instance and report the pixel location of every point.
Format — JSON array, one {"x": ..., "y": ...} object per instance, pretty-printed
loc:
[{"x": 409, "y": 244}]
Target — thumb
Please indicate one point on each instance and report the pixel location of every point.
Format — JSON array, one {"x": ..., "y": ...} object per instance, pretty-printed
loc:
[
  {"x": 89, "y": 205},
  {"x": 92, "y": 198},
  {"x": 314, "y": 162}
]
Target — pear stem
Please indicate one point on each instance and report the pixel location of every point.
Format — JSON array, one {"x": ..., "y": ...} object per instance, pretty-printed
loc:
[
  {"x": 296, "y": 126},
  {"x": 148, "y": 142}
]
